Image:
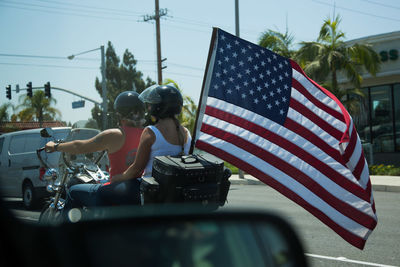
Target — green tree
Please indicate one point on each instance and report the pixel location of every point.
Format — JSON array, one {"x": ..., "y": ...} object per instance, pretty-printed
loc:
[
  {"x": 189, "y": 109},
  {"x": 280, "y": 43},
  {"x": 120, "y": 77},
  {"x": 4, "y": 115},
  {"x": 323, "y": 59},
  {"x": 37, "y": 108}
]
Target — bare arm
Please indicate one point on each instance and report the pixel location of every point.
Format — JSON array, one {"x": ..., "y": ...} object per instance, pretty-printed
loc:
[
  {"x": 136, "y": 169},
  {"x": 102, "y": 141}
]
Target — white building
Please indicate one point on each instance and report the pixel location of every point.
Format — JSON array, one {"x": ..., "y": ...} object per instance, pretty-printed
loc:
[{"x": 379, "y": 119}]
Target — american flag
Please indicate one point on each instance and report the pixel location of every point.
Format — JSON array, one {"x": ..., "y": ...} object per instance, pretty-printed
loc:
[{"x": 260, "y": 112}]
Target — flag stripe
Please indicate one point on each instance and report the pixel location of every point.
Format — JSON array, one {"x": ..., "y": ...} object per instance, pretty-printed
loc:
[
  {"x": 316, "y": 91},
  {"x": 311, "y": 137},
  {"x": 285, "y": 167},
  {"x": 308, "y": 124},
  {"x": 350, "y": 147},
  {"x": 296, "y": 84},
  {"x": 350, "y": 237},
  {"x": 333, "y": 101},
  {"x": 300, "y": 153},
  {"x": 288, "y": 181},
  {"x": 262, "y": 122},
  {"x": 359, "y": 167},
  {"x": 325, "y": 116},
  {"x": 294, "y": 104}
]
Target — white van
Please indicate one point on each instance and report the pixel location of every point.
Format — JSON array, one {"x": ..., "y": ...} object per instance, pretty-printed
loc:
[{"x": 21, "y": 174}]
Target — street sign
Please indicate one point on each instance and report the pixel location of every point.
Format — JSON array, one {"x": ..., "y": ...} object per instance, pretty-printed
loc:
[{"x": 78, "y": 104}]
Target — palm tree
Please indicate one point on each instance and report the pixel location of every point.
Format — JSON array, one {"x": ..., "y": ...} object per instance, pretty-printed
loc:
[
  {"x": 38, "y": 107},
  {"x": 280, "y": 43},
  {"x": 4, "y": 115},
  {"x": 324, "y": 59}
]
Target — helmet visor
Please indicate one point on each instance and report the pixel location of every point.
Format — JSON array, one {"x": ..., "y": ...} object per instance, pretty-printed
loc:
[{"x": 151, "y": 95}]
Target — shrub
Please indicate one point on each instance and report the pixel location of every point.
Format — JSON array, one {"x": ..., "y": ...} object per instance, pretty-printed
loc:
[
  {"x": 384, "y": 170},
  {"x": 233, "y": 169}
]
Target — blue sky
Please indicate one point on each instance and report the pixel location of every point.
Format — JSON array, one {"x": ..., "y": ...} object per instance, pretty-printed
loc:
[{"x": 56, "y": 28}]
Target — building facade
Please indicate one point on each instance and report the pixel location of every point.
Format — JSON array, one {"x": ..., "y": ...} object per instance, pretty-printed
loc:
[{"x": 378, "y": 122}]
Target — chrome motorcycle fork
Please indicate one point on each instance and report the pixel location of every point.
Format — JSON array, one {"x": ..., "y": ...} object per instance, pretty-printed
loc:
[{"x": 58, "y": 193}]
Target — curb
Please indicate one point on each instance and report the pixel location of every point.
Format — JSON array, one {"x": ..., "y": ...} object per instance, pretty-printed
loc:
[{"x": 375, "y": 187}]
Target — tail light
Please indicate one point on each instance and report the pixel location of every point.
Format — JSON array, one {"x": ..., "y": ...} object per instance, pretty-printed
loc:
[{"x": 42, "y": 171}]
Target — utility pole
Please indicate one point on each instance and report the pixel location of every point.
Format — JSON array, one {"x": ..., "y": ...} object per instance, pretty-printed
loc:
[
  {"x": 237, "y": 17},
  {"x": 158, "y": 13},
  {"x": 241, "y": 173}
]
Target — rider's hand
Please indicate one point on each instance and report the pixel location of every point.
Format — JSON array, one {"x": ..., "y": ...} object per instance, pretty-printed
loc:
[{"x": 49, "y": 147}]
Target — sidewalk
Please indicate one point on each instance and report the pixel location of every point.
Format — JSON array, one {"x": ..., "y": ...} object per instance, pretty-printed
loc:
[{"x": 379, "y": 183}]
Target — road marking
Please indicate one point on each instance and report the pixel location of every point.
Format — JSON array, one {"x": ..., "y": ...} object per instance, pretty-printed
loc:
[{"x": 347, "y": 260}]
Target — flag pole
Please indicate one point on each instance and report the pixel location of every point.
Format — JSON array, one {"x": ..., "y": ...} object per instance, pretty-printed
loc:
[{"x": 210, "y": 51}]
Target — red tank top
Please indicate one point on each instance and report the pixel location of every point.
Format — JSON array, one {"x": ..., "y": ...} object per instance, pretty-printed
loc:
[{"x": 123, "y": 158}]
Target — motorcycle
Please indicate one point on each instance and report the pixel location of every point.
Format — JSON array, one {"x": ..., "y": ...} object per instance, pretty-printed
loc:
[
  {"x": 200, "y": 180},
  {"x": 72, "y": 169}
]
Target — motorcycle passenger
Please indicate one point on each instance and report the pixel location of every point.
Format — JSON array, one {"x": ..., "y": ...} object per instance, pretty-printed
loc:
[
  {"x": 121, "y": 144},
  {"x": 166, "y": 137}
]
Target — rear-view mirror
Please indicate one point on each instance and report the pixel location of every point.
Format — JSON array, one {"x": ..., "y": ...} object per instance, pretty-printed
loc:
[
  {"x": 46, "y": 132},
  {"x": 223, "y": 238}
]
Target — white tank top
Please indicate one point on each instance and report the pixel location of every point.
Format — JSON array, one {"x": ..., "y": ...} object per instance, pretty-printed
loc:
[{"x": 161, "y": 147}]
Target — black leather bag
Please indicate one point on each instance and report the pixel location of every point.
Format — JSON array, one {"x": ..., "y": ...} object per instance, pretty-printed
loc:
[{"x": 198, "y": 178}]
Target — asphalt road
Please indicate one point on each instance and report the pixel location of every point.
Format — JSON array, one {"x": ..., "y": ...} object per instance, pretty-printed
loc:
[{"x": 323, "y": 246}]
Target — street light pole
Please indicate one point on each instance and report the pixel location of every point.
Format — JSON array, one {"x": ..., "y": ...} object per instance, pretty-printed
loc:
[{"x": 103, "y": 81}]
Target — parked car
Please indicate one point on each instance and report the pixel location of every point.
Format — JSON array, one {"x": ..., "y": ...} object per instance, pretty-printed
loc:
[{"x": 20, "y": 170}]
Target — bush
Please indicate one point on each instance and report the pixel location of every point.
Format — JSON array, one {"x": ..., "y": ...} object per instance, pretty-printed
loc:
[
  {"x": 384, "y": 170},
  {"x": 233, "y": 169}
]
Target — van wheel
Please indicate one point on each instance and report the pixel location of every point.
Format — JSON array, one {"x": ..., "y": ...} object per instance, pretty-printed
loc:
[{"x": 28, "y": 196}]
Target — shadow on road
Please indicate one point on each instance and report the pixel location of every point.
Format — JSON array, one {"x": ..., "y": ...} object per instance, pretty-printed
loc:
[{"x": 16, "y": 204}]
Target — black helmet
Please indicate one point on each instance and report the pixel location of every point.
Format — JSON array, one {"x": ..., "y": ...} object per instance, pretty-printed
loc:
[
  {"x": 128, "y": 106},
  {"x": 165, "y": 100}
]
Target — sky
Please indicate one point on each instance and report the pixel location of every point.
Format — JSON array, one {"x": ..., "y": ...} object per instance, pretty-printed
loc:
[{"x": 37, "y": 36}]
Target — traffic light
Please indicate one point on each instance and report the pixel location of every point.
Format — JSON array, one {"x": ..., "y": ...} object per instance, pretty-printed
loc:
[
  {"x": 29, "y": 89},
  {"x": 8, "y": 91},
  {"x": 47, "y": 89}
]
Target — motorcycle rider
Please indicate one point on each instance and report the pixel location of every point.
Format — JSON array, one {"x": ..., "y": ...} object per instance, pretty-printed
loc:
[
  {"x": 166, "y": 137},
  {"x": 121, "y": 144}
]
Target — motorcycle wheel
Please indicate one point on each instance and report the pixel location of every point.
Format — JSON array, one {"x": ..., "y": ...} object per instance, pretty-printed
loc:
[{"x": 46, "y": 218}]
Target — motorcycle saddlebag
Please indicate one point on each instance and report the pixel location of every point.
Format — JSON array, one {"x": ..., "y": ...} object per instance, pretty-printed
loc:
[
  {"x": 187, "y": 170},
  {"x": 191, "y": 178},
  {"x": 150, "y": 191}
]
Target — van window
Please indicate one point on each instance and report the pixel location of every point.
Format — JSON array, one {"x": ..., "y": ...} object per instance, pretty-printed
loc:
[
  {"x": 32, "y": 142},
  {"x": 61, "y": 134},
  {"x": 24, "y": 143}
]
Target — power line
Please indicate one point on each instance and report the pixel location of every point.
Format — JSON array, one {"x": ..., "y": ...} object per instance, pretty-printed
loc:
[
  {"x": 44, "y": 57},
  {"x": 144, "y": 61},
  {"x": 185, "y": 66},
  {"x": 32, "y": 56},
  {"x": 64, "y": 8},
  {"x": 184, "y": 74},
  {"x": 357, "y": 11},
  {"x": 381, "y": 4},
  {"x": 64, "y": 13},
  {"x": 46, "y": 66},
  {"x": 93, "y": 7}
]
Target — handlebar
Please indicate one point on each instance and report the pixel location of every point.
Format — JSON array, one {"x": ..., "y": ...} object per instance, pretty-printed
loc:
[
  {"x": 68, "y": 164},
  {"x": 40, "y": 157}
]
